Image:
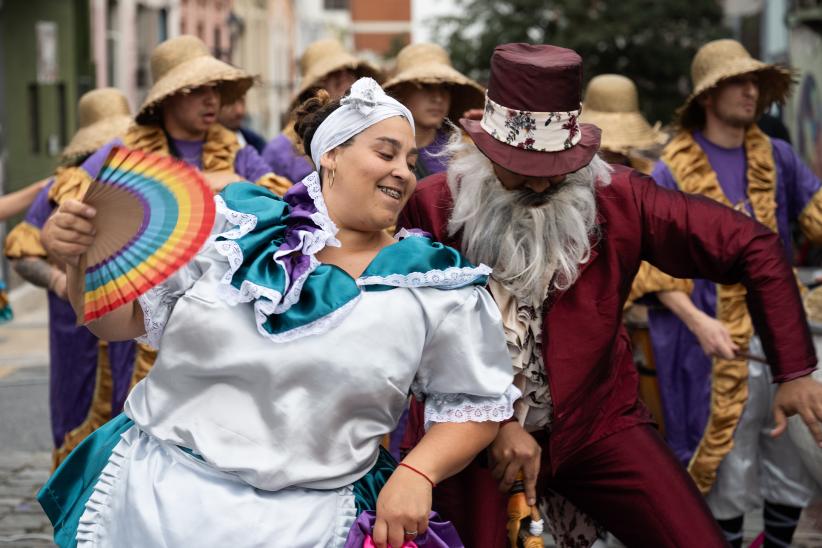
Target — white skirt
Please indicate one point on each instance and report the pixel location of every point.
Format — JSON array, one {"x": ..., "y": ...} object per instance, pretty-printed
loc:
[{"x": 152, "y": 494}]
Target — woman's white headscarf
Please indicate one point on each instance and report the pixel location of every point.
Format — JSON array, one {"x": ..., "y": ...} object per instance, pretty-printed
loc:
[{"x": 365, "y": 105}]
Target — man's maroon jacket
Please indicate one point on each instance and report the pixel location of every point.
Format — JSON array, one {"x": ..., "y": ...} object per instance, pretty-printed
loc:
[{"x": 587, "y": 354}]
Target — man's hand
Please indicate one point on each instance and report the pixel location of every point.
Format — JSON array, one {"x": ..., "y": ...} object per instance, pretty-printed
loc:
[
  {"x": 803, "y": 397},
  {"x": 218, "y": 180},
  {"x": 69, "y": 232},
  {"x": 513, "y": 450},
  {"x": 713, "y": 336}
]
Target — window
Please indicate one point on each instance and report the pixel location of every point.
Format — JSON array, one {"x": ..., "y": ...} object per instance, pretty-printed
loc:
[{"x": 335, "y": 4}]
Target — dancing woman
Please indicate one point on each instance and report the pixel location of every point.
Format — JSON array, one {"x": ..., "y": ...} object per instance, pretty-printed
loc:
[{"x": 287, "y": 350}]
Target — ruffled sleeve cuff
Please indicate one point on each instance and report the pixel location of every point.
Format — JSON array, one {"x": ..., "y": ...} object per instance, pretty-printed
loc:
[
  {"x": 24, "y": 241},
  {"x": 469, "y": 408},
  {"x": 69, "y": 184}
]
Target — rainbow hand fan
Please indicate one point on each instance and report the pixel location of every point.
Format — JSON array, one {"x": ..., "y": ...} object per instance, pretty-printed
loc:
[{"x": 154, "y": 213}]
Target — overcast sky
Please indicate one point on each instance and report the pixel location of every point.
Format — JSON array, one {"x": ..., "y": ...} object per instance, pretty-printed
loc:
[{"x": 422, "y": 10}]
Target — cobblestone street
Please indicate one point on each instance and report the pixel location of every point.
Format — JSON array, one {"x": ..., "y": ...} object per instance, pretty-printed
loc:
[{"x": 25, "y": 457}]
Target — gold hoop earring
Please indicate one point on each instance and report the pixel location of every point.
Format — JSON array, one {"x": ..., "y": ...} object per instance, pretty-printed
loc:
[{"x": 331, "y": 178}]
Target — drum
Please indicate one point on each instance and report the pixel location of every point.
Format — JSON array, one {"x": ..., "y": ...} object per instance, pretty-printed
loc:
[{"x": 636, "y": 321}]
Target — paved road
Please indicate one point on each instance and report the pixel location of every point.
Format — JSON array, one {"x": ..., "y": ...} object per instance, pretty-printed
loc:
[{"x": 25, "y": 444}]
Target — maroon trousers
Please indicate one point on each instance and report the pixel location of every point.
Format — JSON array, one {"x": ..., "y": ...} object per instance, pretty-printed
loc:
[{"x": 629, "y": 482}]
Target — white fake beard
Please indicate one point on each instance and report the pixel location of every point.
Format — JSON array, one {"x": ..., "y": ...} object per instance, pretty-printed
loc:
[{"x": 535, "y": 242}]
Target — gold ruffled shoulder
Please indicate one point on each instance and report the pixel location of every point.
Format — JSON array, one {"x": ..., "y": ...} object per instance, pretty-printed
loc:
[
  {"x": 69, "y": 184},
  {"x": 24, "y": 241}
]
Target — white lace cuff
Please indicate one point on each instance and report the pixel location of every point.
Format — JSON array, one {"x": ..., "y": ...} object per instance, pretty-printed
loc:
[
  {"x": 466, "y": 407},
  {"x": 157, "y": 304}
]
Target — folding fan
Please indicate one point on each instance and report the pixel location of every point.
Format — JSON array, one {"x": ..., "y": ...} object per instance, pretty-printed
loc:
[{"x": 153, "y": 214}]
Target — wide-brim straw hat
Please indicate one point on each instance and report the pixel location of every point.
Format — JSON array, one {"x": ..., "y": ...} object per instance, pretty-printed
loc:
[
  {"x": 611, "y": 102},
  {"x": 184, "y": 63},
  {"x": 723, "y": 59},
  {"x": 323, "y": 57},
  {"x": 427, "y": 63},
  {"x": 102, "y": 114}
]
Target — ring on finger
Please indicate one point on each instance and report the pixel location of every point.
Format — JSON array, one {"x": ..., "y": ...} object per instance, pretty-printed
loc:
[{"x": 410, "y": 535}]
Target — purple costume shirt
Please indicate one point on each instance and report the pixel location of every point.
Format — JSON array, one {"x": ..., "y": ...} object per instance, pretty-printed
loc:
[
  {"x": 283, "y": 160},
  {"x": 429, "y": 162},
  {"x": 683, "y": 369}
]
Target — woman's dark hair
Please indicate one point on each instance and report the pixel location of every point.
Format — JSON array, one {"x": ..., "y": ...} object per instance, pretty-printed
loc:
[{"x": 310, "y": 114}]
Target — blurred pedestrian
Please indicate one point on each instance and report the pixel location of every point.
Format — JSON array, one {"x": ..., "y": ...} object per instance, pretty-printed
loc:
[
  {"x": 325, "y": 64},
  {"x": 717, "y": 401},
  {"x": 179, "y": 118},
  {"x": 232, "y": 116},
  {"x": 434, "y": 92},
  {"x": 88, "y": 378}
]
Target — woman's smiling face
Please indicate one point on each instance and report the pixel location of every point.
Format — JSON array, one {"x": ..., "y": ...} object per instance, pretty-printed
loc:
[{"x": 373, "y": 176}]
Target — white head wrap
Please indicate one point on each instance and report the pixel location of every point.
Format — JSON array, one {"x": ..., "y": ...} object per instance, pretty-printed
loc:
[{"x": 365, "y": 105}]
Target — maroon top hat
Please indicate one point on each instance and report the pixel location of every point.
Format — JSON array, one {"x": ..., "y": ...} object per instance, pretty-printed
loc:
[{"x": 530, "y": 122}]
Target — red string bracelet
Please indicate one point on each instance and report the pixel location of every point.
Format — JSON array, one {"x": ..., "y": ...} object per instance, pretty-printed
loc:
[{"x": 418, "y": 472}]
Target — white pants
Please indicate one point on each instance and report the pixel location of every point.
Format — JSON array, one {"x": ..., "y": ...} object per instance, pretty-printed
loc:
[
  {"x": 151, "y": 494},
  {"x": 759, "y": 466}
]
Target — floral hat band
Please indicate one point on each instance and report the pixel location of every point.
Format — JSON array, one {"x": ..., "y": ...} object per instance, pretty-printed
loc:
[{"x": 539, "y": 131}]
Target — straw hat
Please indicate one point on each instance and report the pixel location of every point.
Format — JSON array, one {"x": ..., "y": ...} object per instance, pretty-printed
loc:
[
  {"x": 323, "y": 57},
  {"x": 722, "y": 59},
  {"x": 184, "y": 63},
  {"x": 611, "y": 103},
  {"x": 103, "y": 114},
  {"x": 429, "y": 64}
]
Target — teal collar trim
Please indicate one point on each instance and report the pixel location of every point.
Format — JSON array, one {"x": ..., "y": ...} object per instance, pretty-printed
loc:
[{"x": 271, "y": 250}]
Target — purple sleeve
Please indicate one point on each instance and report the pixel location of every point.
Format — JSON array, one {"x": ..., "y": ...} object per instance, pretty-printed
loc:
[
  {"x": 249, "y": 164},
  {"x": 280, "y": 155},
  {"x": 663, "y": 177},
  {"x": 94, "y": 162},
  {"x": 800, "y": 182},
  {"x": 41, "y": 208}
]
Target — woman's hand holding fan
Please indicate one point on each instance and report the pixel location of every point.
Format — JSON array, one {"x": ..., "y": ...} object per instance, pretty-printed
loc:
[{"x": 149, "y": 216}]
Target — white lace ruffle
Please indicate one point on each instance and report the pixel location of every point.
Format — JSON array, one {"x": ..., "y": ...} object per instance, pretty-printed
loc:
[
  {"x": 97, "y": 506},
  {"x": 317, "y": 327},
  {"x": 441, "y": 407},
  {"x": 268, "y": 301},
  {"x": 321, "y": 217},
  {"x": 245, "y": 222},
  {"x": 346, "y": 516},
  {"x": 157, "y": 304},
  {"x": 450, "y": 278},
  {"x": 404, "y": 233}
]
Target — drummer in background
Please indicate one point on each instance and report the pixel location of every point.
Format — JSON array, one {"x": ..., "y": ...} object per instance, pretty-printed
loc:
[
  {"x": 325, "y": 64},
  {"x": 427, "y": 83},
  {"x": 611, "y": 102},
  {"x": 719, "y": 152}
]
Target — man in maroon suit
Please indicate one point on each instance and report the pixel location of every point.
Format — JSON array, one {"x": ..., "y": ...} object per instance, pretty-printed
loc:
[{"x": 565, "y": 234}]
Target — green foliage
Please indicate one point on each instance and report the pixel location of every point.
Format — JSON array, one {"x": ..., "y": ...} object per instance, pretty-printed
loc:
[{"x": 650, "y": 41}]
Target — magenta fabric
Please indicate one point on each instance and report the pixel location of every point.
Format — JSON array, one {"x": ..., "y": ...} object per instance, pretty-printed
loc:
[
  {"x": 683, "y": 369},
  {"x": 440, "y": 534}
]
